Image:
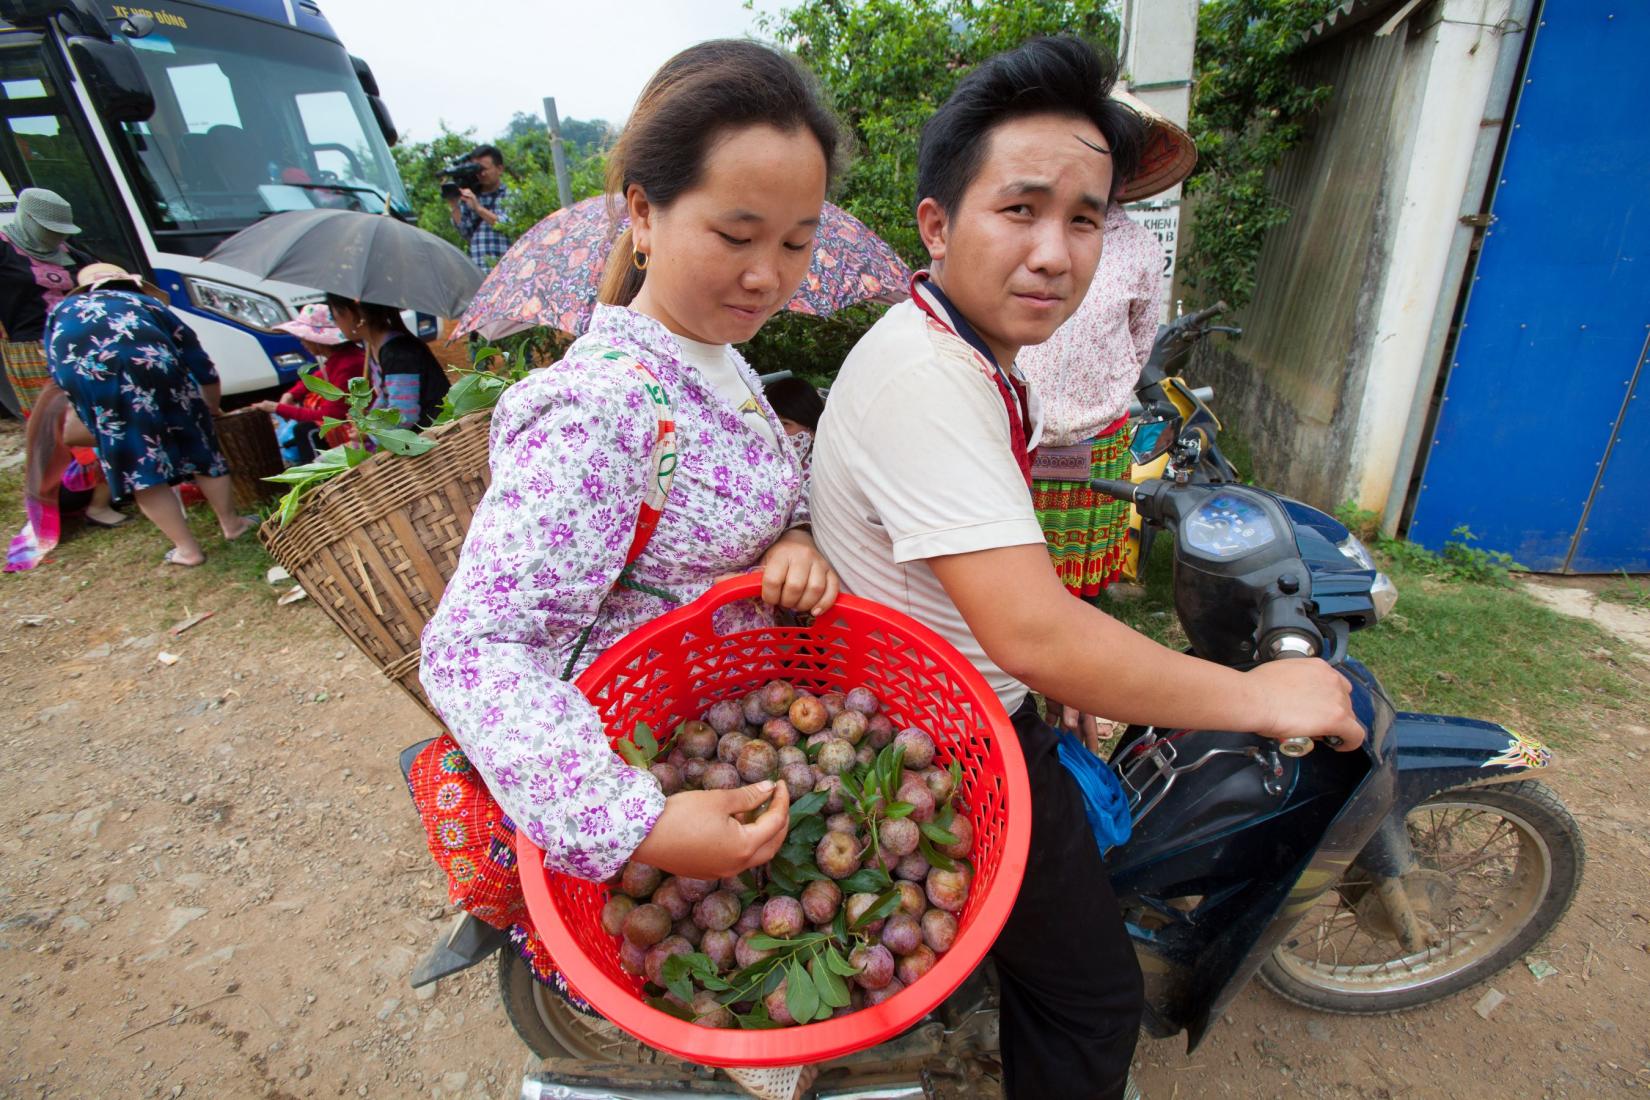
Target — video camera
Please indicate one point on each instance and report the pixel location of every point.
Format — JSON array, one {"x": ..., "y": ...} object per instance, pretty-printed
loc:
[{"x": 461, "y": 174}]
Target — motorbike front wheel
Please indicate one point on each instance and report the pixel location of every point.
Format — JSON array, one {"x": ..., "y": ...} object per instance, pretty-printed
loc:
[
  {"x": 1496, "y": 868},
  {"x": 552, "y": 1028}
]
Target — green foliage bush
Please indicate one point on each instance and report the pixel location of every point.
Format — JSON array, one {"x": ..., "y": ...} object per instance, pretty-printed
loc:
[
  {"x": 529, "y": 169},
  {"x": 1459, "y": 561},
  {"x": 1249, "y": 107},
  {"x": 886, "y": 65}
]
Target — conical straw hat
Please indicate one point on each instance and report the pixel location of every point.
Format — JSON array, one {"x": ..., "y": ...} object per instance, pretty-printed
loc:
[{"x": 1168, "y": 158}]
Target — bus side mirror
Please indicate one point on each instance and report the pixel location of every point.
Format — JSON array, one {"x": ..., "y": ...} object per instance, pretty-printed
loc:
[
  {"x": 363, "y": 73},
  {"x": 114, "y": 79},
  {"x": 381, "y": 112}
]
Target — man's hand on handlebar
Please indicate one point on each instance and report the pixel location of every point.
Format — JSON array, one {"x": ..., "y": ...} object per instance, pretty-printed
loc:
[{"x": 1306, "y": 698}]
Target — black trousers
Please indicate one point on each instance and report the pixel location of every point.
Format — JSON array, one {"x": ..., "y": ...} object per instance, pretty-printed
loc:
[{"x": 1072, "y": 995}]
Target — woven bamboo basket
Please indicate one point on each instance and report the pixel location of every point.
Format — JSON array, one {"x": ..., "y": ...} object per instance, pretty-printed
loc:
[
  {"x": 248, "y": 440},
  {"x": 376, "y": 546}
]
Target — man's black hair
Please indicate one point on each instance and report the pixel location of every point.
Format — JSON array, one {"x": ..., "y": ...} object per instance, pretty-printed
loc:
[
  {"x": 1058, "y": 75},
  {"x": 488, "y": 151},
  {"x": 794, "y": 399}
]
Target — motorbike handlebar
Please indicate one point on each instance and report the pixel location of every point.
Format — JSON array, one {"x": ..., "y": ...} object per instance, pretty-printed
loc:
[
  {"x": 1204, "y": 314},
  {"x": 1300, "y": 746},
  {"x": 1118, "y": 490},
  {"x": 1205, "y": 394}
]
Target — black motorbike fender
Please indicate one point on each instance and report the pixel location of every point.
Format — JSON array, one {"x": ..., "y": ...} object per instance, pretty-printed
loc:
[{"x": 1437, "y": 752}]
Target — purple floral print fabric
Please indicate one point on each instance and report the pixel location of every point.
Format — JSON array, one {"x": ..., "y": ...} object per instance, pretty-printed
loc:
[{"x": 570, "y": 454}]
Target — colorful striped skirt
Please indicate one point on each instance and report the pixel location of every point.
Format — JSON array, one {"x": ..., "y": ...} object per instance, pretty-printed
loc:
[
  {"x": 1087, "y": 534},
  {"x": 26, "y": 370}
]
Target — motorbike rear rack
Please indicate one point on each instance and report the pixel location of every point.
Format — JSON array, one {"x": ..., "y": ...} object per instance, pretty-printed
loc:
[{"x": 1151, "y": 766}]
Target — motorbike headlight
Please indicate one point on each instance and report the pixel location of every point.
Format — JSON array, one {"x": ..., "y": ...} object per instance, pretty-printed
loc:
[
  {"x": 233, "y": 303},
  {"x": 1353, "y": 547},
  {"x": 1383, "y": 593}
]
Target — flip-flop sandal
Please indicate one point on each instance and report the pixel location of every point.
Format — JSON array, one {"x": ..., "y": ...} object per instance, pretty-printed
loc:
[
  {"x": 252, "y": 525},
  {"x": 121, "y": 522},
  {"x": 171, "y": 558}
]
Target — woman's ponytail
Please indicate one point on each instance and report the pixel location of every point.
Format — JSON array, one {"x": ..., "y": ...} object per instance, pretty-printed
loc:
[{"x": 621, "y": 279}]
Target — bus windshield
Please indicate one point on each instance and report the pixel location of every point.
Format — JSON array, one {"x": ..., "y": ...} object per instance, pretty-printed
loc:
[{"x": 251, "y": 119}]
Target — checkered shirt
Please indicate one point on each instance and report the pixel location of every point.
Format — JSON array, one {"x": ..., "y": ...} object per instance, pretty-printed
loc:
[{"x": 487, "y": 242}]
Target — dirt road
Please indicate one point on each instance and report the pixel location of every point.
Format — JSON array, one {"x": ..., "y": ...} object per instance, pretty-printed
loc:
[{"x": 212, "y": 885}]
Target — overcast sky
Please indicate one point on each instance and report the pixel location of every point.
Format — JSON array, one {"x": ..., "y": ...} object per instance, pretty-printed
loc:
[{"x": 477, "y": 62}]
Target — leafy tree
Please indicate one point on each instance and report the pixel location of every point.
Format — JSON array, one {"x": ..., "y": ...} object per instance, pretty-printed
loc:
[
  {"x": 1249, "y": 106},
  {"x": 529, "y": 169},
  {"x": 887, "y": 64},
  {"x": 419, "y": 164},
  {"x": 521, "y": 124}
]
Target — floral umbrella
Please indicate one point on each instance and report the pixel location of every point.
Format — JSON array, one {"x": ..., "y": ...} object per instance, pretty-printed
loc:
[{"x": 551, "y": 275}]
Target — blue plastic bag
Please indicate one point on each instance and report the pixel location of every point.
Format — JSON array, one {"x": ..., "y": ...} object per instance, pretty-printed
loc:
[{"x": 1104, "y": 802}]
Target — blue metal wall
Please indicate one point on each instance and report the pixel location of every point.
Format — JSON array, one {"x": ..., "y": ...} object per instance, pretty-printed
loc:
[{"x": 1542, "y": 445}]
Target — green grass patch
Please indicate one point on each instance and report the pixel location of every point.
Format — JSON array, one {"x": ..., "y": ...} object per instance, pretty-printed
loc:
[
  {"x": 1452, "y": 646},
  {"x": 1627, "y": 591},
  {"x": 132, "y": 553},
  {"x": 1238, "y": 451},
  {"x": 1487, "y": 651}
]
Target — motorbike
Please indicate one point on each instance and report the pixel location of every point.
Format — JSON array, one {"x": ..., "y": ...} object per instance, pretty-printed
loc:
[
  {"x": 1368, "y": 881},
  {"x": 1175, "y": 432}
]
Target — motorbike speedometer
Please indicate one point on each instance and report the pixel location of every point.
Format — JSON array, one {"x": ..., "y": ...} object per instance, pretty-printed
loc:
[{"x": 1228, "y": 526}]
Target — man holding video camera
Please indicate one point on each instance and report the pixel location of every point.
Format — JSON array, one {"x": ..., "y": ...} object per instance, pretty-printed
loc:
[{"x": 476, "y": 193}]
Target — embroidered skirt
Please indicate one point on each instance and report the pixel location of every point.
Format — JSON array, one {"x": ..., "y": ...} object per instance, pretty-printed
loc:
[
  {"x": 1087, "y": 533},
  {"x": 26, "y": 370}
]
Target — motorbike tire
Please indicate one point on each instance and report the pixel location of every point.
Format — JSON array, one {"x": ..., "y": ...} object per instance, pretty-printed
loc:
[
  {"x": 552, "y": 1028},
  {"x": 1545, "y": 831}
]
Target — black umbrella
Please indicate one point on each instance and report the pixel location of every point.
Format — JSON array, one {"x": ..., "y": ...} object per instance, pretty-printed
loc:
[{"x": 365, "y": 257}]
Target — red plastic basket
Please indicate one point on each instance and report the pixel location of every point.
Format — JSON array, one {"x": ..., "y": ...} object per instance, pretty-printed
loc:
[{"x": 676, "y": 667}]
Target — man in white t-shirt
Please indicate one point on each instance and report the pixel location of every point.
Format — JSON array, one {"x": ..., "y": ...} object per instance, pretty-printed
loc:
[{"x": 921, "y": 500}]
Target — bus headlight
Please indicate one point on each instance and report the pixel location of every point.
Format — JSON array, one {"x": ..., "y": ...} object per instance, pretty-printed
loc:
[{"x": 233, "y": 303}]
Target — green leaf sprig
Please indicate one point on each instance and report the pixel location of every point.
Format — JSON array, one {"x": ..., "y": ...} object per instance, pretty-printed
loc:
[
  {"x": 381, "y": 426},
  {"x": 812, "y": 966},
  {"x": 643, "y": 748}
]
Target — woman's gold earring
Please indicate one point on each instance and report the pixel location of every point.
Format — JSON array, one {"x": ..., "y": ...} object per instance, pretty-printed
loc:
[{"x": 639, "y": 260}]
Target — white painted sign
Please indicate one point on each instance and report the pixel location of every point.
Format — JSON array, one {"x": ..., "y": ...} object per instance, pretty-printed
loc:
[{"x": 1162, "y": 217}]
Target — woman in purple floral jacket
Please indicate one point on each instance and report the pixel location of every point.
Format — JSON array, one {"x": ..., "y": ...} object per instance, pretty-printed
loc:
[{"x": 723, "y": 166}]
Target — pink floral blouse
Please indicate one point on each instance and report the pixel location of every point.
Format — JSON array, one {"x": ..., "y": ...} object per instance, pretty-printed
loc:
[
  {"x": 570, "y": 455},
  {"x": 1085, "y": 372}
]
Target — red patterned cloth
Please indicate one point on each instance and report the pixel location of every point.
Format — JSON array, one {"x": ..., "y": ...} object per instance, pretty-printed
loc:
[
  {"x": 475, "y": 844},
  {"x": 469, "y": 836}
]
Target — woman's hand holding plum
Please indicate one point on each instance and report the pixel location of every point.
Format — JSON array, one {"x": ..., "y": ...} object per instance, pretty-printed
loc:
[{"x": 700, "y": 836}]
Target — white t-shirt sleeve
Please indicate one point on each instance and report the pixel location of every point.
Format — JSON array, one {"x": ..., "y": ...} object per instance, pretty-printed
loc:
[{"x": 935, "y": 463}]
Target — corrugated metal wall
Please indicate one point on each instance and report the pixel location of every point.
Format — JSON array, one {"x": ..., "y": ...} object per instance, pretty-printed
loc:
[
  {"x": 1317, "y": 266},
  {"x": 1286, "y": 383}
]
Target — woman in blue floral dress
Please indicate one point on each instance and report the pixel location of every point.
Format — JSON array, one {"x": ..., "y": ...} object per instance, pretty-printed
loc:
[{"x": 144, "y": 393}]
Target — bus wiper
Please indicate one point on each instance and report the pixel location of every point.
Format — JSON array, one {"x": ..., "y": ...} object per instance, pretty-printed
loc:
[{"x": 373, "y": 191}]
